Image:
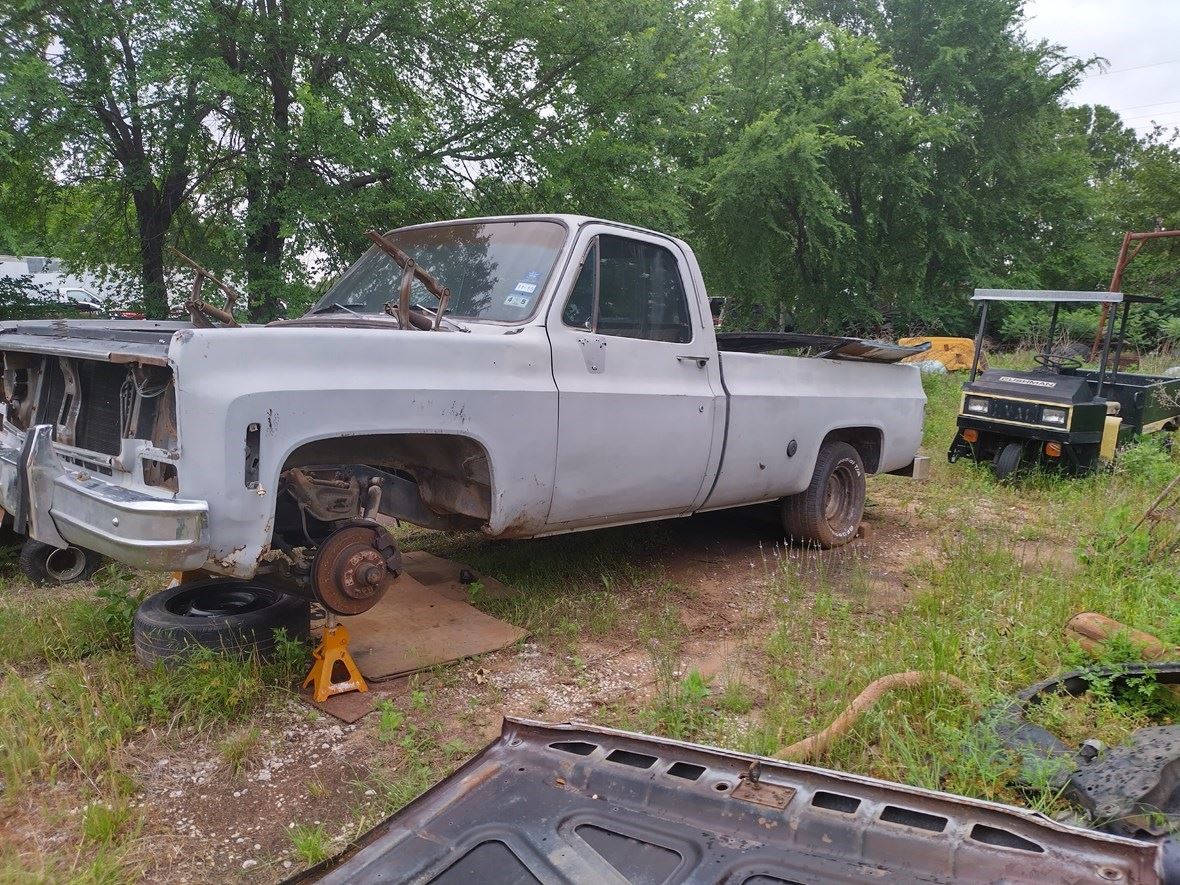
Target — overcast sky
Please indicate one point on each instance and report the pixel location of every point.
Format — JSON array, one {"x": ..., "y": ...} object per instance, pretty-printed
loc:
[{"x": 1139, "y": 40}]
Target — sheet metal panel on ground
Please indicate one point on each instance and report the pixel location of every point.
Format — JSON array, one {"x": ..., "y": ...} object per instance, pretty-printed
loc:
[{"x": 573, "y": 803}]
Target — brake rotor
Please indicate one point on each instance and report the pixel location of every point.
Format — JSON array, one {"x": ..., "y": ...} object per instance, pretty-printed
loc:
[{"x": 353, "y": 568}]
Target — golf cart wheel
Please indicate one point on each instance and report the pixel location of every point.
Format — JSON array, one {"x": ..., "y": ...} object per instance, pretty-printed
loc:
[
  {"x": 829, "y": 511},
  {"x": 238, "y": 618},
  {"x": 1007, "y": 461},
  {"x": 45, "y": 564}
]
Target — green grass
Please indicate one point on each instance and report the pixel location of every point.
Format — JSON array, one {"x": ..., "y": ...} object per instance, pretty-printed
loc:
[
  {"x": 312, "y": 844},
  {"x": 977, "y": 604},
  {"x": 105, "y": 823},
  {"x": 39, "y": 626},
  {"x": 237, "y": 749},
  {"x": 984, "y": 611}
]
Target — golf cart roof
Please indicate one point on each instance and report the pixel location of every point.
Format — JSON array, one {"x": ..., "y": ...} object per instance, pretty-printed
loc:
[{"x": 1050, "y": 295}]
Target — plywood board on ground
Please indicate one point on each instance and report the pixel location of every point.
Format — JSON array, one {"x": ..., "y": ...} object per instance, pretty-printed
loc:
[{"x": 424, "y": 620}]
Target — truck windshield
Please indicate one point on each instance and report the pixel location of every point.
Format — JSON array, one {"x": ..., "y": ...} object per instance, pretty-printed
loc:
[{"x": 495, "y": 270}]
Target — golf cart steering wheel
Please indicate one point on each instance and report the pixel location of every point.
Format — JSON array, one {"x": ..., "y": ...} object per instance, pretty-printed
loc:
[{"x": 1057, "y": 362}]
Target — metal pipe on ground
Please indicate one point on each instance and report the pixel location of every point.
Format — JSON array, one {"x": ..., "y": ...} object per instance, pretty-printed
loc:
[{"x": 819, "y": 743}]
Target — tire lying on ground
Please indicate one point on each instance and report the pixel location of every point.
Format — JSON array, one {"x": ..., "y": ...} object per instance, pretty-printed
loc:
[
  {"x": 828, "y": 512},
  {"x": 234, "y": 617},
  {"x": 45, "y": 564}
]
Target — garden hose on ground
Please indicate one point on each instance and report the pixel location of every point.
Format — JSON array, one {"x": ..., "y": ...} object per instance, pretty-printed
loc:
[{"x": 818, "y": 744}]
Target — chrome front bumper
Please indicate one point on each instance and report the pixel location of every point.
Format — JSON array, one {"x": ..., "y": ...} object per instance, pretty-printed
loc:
[{"x": 62, "y": 505}]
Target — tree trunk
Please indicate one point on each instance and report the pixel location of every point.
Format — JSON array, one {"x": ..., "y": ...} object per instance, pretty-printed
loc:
[
  {"x": 153, "y": 220},
  {"x": 264, "y": 272}
]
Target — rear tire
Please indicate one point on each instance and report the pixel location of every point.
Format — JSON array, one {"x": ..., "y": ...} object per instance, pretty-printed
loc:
[
  {"x": 829, "y": 511},
  {"x": 238, "y": 618},
  {"x": 1007, "y": 461},
  {"x": 48, "y": 565}
]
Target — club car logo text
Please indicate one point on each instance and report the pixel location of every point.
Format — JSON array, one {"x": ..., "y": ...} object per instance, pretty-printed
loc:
[{"x": 1031, "y": 382}]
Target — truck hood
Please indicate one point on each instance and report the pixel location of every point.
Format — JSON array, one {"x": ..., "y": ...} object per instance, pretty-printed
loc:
[{"x": 114, "y": 341}]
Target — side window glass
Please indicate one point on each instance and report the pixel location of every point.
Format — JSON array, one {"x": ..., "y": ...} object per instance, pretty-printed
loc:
[
  {"x": 640, "y": 293},
  {"x": 579, "y": 309}
]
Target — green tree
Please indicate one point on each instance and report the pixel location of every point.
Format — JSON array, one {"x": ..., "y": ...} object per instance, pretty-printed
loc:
[
  {"x": 1145, "y": 197},
  {"x": 118, "y": 95},
  {"x": 956, "y": 166},
  {"x": 814, "y": 149},
  {"x": 369, "y": 112}
]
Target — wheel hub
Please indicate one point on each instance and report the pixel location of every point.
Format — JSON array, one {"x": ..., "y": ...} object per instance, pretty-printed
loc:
[
  {"x": 65, "y": 565},
  {"x": 353, "y": 568},
  {"x": 838, "y": 493},
  {"x": 222, "y": 601}
]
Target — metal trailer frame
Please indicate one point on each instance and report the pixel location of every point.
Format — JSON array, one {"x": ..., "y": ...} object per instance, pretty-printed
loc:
[{"x": 1126, "y": 256}]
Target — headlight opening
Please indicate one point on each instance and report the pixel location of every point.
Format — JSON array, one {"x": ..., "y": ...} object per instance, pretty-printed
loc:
[
  {"x": 977, "y": 405},
  {"x": 1051, "y": 415}
]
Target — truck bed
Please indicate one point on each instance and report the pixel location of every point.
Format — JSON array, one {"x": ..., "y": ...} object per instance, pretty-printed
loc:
[{"x": 773, "y": 401}]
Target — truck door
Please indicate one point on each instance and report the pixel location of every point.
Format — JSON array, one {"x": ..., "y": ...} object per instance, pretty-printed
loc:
[{"x": 638, "y": 382}]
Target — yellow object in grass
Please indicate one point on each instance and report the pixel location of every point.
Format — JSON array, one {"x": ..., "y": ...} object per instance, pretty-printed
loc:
[{"x": 954, "y": 353}]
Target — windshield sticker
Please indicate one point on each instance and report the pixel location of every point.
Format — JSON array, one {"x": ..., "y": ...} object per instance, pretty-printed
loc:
[
  {"x": 517, "y": 300},
  {"x": 527, "y": 288},
  {"x": 532, "y": 276}
]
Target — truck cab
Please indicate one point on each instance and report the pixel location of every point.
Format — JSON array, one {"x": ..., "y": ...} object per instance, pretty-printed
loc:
[{"x": 518, "y": 376}]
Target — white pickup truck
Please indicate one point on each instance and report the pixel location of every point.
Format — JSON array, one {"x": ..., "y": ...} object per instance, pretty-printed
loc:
[{"x": 522, "y": 376}]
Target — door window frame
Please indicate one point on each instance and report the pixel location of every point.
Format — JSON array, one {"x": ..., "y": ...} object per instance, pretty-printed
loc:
[{"x": 683, "y": 273}]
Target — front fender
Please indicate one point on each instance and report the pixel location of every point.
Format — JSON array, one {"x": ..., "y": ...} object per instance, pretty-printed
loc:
[{"x": 302, "y": 386}]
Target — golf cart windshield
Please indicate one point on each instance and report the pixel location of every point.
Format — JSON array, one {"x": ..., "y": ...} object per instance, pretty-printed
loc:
[{"x": 496, "y": 271}]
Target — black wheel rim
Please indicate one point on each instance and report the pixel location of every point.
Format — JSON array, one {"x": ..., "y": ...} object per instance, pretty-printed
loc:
[
  {"x": 839, "y": 497},
  {"x": 220, "y": 601},
  {"x": 65, "y": 565}
]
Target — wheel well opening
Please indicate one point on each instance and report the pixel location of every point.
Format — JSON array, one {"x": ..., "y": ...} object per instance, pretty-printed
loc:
[
  {"x": 434, "y": 480},
  {"x": 866, "y": 440}
]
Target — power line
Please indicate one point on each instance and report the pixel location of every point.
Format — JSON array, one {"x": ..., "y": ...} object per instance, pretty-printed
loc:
[
  {"x": 1154, "y": 64},
  {"x": 1151, "y": 116},
  {"x": 1153, "y": 104}
]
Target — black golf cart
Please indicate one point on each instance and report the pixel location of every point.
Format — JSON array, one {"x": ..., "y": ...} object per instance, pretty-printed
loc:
[{"x": 1060, "y": 414}]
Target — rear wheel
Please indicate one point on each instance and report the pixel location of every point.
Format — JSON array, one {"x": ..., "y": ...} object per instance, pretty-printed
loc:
[
  {"x": 45, "y": 564},
  {"x": 829, "y": 511},
  {"x": 1007, "y": 461},
  {"x": 234, "y": 617}
]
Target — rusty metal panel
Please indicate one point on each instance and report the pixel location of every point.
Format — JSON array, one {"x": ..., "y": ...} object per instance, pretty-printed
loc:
[
  {"x": 573, "y": 803},
  {"x": 117, "y": 341},
  {"x": 832, "y": 346}
]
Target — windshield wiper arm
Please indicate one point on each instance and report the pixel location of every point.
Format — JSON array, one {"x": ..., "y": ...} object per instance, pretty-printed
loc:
[
  {"x": 335, "y": 305},
  {"x": 447, "y": 320},
  {"x": 410, "y": 271}
]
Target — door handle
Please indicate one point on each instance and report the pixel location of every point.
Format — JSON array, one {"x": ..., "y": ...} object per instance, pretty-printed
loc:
[{"x": 701, "y": 361}]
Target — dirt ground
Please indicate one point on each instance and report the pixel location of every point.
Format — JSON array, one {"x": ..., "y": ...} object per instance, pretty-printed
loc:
[
  {"x": 202, "y": 816},
  {"x": 203, "y": 823},
  {"x": 619, "y": 620}
]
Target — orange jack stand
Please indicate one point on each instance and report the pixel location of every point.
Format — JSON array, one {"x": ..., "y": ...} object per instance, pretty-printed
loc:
[{"x": 329, "y": 654}]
